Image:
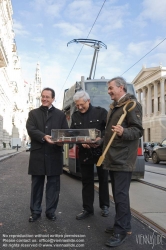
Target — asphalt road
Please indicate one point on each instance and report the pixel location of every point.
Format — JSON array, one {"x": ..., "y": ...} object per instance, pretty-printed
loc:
[
  {"x": 66, "y": 232},
  {"x": 161, "y": 164}
]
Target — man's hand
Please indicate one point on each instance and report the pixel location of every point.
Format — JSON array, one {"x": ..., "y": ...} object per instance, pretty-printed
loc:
[
  {"x": 48, "y": 139},
  {"x": 85, "y": 146},
  {"x": 95, "y": 145},
  {"x": 92, "y": 145},
  {"x": 118, "y": 129}
]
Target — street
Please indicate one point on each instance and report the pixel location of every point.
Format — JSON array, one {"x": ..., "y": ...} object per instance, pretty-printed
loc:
[
  {"x": 162, "y": 164},
  {"x": 17, "y": 233}
]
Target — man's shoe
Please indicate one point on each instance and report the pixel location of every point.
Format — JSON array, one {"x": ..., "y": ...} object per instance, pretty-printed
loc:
[
  {"x": 51, "y": 217},
  {"x": 104, "y": 211},
  {"x": 116, "y": 240},
  {"x": 34, "y": 217},
  {"x": 84, "y": 214},
  {"x": 110, "y": 230}
]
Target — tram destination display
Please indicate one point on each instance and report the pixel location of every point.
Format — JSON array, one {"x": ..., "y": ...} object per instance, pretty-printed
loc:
[{"x": 75, "y": 136}]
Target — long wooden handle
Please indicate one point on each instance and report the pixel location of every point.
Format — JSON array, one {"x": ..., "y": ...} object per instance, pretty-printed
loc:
[
  {"x": 114, "y": 134},
  {"x": 102, "y": 157}
]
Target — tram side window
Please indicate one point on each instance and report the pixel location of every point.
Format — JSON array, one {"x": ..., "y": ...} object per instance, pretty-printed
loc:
[
  {"x": 102, "y": 101},
  {"x": 130, "y": 89},
  {"x": 99, "y": 96}
]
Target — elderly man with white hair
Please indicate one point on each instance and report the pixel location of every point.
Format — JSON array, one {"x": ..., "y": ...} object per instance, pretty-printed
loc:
[{"x": 85, "y": 117}]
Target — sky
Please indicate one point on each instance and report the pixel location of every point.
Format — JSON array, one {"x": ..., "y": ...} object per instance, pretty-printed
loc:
[{"x": 129, "y": 29}]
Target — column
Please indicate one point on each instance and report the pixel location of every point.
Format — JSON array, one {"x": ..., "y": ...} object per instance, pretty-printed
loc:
[
  {"x": 155, "y": 97},
  {"x": 144, "y": 101},
  {"x": 149, "y": 106},
  {"x": 162, "y": 94},
  {"x": 139, "y": 95}
]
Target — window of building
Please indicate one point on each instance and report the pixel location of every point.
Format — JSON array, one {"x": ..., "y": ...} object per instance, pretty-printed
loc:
[
  {"x": 152, "y": 105},
  {"x": 149, "y": 137},
  {"x": 159, "y": 108}
]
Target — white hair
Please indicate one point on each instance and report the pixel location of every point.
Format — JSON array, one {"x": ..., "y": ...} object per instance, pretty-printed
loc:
[{"x": 81, "y": 95}]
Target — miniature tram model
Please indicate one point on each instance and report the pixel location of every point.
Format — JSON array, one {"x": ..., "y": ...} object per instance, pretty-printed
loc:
[
  {"x": 75, "y": 135},
  {"x": 97, "y": 90}
]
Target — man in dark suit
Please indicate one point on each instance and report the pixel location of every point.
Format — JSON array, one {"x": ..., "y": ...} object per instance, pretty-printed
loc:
[{"x": 46, "y": 157}]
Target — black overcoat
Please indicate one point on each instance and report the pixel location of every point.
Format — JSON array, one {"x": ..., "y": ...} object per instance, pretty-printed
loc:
[
  {"x": 45, "y": 158},
  {"x": 94, "y": 117}
]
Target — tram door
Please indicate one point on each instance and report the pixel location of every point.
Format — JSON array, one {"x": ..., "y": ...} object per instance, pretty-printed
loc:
[
  {"x": 66, "y": 155},
  {"x": 66, "y": 146},
  {"x": 70, "y": 154},
  {"x": 74, "y": 165}
]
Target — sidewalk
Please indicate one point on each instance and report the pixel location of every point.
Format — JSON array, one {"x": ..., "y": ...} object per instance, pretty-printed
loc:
[
  {"x": 146, "y": 200},
  {"x": 7, "y": 153}
]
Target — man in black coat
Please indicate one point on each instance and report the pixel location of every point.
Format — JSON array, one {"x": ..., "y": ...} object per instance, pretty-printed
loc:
[
  {"x": 46, "y": 158},
  {"x": 87, "y": 117}
]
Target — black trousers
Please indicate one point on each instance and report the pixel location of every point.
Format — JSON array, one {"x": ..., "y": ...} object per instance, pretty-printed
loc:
[
  {"x": 87, "y": 172},
  {"x": 120, "y": 182},
  {"x": 52, "y": 193}
]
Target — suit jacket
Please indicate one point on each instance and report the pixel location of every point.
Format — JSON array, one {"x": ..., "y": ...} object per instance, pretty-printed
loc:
[{"x": 45, "y": 158}]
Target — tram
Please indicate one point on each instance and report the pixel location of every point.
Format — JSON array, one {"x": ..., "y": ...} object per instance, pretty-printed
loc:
[{"x": 97, "y": 90}]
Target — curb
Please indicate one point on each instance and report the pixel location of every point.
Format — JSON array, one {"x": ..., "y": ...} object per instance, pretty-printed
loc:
[
  {"x": 5, "y": 157},
  {"x": 143, "y": 219}
]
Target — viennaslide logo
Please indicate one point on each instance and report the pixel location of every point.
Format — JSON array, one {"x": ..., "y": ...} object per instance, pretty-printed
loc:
[{"x": 149, "y": 239}]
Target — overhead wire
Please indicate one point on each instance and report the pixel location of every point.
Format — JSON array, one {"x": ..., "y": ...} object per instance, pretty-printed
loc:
[
  {"x": 143, "y": 56},
  {"x": 82, "y": 48}
]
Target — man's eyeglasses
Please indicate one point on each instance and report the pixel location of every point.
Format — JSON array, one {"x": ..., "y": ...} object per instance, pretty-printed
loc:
[{"x": 80, "y": 105}]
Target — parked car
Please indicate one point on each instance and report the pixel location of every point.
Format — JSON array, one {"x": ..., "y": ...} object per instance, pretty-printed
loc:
[
  {"x": 159, "y": 152},
  {"x": 28, "y": 147}
]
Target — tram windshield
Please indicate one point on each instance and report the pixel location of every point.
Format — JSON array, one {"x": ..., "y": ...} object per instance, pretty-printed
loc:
[{"x": 98, "y": 92}]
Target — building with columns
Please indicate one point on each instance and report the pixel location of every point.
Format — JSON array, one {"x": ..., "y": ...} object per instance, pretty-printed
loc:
[{"x": 150, "y": 86}]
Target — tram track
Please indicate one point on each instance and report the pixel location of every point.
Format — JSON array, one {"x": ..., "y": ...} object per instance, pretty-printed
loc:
[
  {"x": 154, "y": 226},
  {"x": 148, "y": 222},
  {"x": 152, "y": 185},
  {"x": 154, "y": 172}
]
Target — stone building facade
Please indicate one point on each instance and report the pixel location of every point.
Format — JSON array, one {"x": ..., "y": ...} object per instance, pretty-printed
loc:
[
  {"x": 150, "y": 86},
  {"x": 34, "y": 93},
  {"x": 17, "y": 97},
  {"x": 13, "y": 96}
]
